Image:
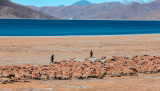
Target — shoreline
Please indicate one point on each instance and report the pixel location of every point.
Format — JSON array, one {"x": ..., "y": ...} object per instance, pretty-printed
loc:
[
  {"x": 76, "y": 19},
  {"x": 128, "y": 35}
]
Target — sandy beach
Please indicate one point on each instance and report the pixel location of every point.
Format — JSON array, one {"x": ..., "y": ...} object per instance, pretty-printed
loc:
[{"x": 37, "y": 50}]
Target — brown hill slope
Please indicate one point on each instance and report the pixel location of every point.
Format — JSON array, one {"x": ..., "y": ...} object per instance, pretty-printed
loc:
[
  {"x": 155, "y": 5},
  {"x": 126, "y": 12},
  {"x": 12, "y": 10},
  {"x": 153, "y": 15}
]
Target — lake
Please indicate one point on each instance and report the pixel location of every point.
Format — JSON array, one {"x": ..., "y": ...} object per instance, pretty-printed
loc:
[{"x": 33, "y": 27}]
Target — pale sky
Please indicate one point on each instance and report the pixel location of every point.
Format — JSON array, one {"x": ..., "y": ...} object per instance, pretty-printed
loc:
[{"x": 40, "y": 3}]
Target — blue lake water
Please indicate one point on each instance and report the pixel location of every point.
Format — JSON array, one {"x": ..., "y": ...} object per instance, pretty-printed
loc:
[{"x": 31, "y": 27}]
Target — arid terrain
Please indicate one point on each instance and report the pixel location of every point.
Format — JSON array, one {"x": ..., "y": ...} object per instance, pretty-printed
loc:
[{"x": 37, "y": 50}]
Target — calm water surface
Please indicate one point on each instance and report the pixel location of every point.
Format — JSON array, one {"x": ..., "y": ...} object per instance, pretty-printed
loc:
[{"x": 29, "y": 27}]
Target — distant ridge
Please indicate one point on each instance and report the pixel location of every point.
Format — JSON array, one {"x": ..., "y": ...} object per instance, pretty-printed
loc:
[
  {"x": 82, "y": 2},
  {"x": 61, "y": 5},
  {"x": 9, "y": 9}
]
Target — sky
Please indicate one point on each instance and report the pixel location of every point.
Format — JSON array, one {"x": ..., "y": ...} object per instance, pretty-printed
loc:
[{"x": 40, "y": 3}]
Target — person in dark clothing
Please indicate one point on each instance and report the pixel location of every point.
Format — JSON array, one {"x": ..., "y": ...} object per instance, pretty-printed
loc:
[
  {"x": 52, "y": 58},
  {"x": 91, "y": 54}
]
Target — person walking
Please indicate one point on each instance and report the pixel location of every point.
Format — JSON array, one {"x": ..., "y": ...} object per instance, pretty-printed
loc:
[
  {"x": 52, "y": 58},
  {"x": 91, "y": 54}
]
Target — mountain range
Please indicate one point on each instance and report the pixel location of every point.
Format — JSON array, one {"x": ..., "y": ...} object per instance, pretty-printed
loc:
[
  {"x": 90, "y": 11},
  {"x": 106, "y": 11},
  {"x": 12, "y": 10}
]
